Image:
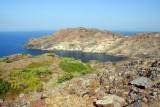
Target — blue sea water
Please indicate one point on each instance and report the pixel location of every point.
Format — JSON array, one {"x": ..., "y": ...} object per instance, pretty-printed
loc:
[{"x": 11, "y": 42}]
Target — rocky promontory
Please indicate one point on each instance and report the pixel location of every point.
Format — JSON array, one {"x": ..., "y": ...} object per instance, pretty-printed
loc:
[
  {"x": 52, "y": 81},
  {"x": 97, "y": 41}
]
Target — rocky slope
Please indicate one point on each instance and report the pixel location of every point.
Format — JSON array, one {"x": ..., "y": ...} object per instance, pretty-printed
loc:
[
  {"x": 96, "y": 41},
  {"x": 130, "y": 83}
]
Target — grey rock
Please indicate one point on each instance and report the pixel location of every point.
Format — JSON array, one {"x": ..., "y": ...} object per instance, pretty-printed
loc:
[
  {"x": 21, "y": 95},
  {"x": 1, "y": 100},
  {"x": 106, "y": 71},
  {"x": 156, "y": 80},
  {"x": 141, "y": 82},
  {"x": 137, "y": 104},
  {"x": 114, "y": 100}
]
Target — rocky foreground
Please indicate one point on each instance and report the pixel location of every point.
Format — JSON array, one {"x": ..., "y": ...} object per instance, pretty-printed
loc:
[
  {"x": 97, "y": 41},
  {"x": 129, "y": 83}
]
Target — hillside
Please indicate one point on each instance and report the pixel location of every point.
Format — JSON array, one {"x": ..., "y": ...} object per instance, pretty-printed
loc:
[
  {"x": 52, "y": 81},
  {"x": 97, "y": 41}
]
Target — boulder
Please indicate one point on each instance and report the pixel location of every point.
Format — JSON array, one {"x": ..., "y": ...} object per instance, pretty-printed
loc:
[
  {"x": 141, "y": 82},
  {"x": 111, "y": 100}
]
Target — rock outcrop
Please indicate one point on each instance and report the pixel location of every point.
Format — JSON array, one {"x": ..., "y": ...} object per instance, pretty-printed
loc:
[
  {"x": 111, "y": 100},
  {"x": 141, "y": 82},
  {"x": 97, "y": 41},
  {"x": 115, "y": 85}
]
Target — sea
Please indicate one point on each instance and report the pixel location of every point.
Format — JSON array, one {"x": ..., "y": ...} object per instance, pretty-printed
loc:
[{"x": 11, "y": 42}]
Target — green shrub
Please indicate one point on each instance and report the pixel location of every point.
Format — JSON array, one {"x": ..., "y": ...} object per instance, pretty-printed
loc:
[
  {"x": 114, "y": 63},
  {"x": 1, "y": 72},
  {"x": 23, "y": 81},
  {"x": 46, "y": 71},
  {"x": 6, "y": 60},
  {"x": 38, "y": 71},
  {"x": 73, "y": 67},
  {"x": 89, "y": 72},
  {"x": 80, "y": 68},
  {"x": 38, "y": 56},
  {"x": 51, "y": 54},
  {"x": 60, "y": 57},
  {"x": 54, "y": 84},
  {"x": 97, "y": 61},
  {"x": 39, "y": 64},
  {"x": 3, "y": 88},
  {"x": 24, "y": 53},
  {"x": 69, "y": 59},
  {"x": 119, "y": 36},
  {"x": 79, "y": 60},
  {"x": 65, "y": 77}
]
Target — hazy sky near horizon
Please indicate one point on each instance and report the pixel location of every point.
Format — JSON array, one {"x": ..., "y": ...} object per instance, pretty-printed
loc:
[{"x": 122, "y": 15}]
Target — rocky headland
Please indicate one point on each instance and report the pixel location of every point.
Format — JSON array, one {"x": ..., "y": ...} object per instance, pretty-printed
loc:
[
  {"x": 96, "y": 41},
  {"x": 51, "y": 81}
]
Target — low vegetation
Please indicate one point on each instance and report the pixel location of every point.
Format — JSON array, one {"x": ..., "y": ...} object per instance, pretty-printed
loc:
[
  {"x": 3, "y": 88},
  {"x": 119, "y": 36},
  {"x": 114, "y": 63},
  {"x": 68, "y": 59},
  {"x": 6, "y": 60},
  {"x": 1, "y": 72},
  {"x": 39, "y": 64},
  {"x": 38, "y": 71},
  {"x": 65, "y": 77},
  {"x": 24, "y": 53},
  {"x": 31, "y": 77},
  {"x": 24, "y": 81},
  {"x": 51, "y": 54},
  {"x": 97, "y": 61},
  {"x": 73, "y": 67},
  {"x": 89, "y": 72},
  {"x": 36, "y": 68}
]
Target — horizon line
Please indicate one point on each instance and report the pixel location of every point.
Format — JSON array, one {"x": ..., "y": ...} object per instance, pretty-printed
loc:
[{"x": 86, "y": 28}]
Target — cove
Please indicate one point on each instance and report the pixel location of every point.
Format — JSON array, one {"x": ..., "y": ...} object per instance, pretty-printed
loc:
[{"x": 83, "y": 56}]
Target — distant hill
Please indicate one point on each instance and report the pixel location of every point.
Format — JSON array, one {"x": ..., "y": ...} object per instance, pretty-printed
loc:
[{"x": 97, "y": 41}]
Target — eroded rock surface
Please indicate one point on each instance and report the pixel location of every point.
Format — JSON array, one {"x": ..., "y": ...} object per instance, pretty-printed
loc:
[
  {"x": 111, "y": 100},
  {"x": 97, "y": 41},
  {"x": 110, "y": 87},
  {"x": 141, "y": 82}
]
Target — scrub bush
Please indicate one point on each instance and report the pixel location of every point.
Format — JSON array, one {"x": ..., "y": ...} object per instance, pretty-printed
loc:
[
  {"x": 39, "y": 64},
  {"x": 3, "y": 88},
  {"x": 114, "y": 63},
  {"x": 6, "y": 60},
  {"x": 51, "y": 54},
  {"x": 23, "y": 81},
  {"x": 73, "y": 67},
  {"x": 24, "y": 53},
  {"x": 38, "y": 71},
  {"x": 65, "y": 77},
  {"x": 69, "y": 59},
  {"x": 89, "y": 72}
]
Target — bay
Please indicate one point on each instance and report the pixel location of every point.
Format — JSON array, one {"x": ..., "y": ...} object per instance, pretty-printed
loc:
[{"x": 11, "y": 42}]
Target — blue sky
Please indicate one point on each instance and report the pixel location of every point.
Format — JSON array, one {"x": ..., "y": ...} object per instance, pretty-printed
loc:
[{"x": 122, "y": 15}]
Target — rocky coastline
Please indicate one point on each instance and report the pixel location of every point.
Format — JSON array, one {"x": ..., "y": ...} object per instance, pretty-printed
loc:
[
  {"x": 97, "y": 41},
  {"x": 49, "y": 80}
]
